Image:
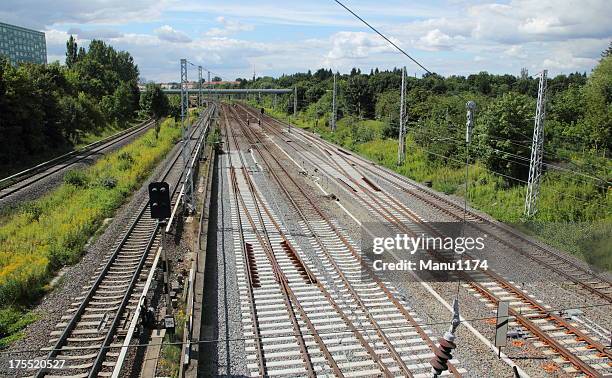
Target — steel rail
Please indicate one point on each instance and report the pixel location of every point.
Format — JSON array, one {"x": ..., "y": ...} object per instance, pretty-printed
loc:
[
  {"x": 586, "y": 368},
  {"x": 328, "y": 296},
  {"x": 381, "y": 285},
  {"x": 311, "y": 279},
  {"x": 100, "y": 278},
  {"x": 89, "y": 150},
  {"x": 261, "y": 362},
  {"x": 379, "y": 332},
  {"x": 128, "y": 294},
  {"x": 545, "y": 250},
  {"x": 280, "y": 278},
  {"x": 288, "y": 295},
  {"x": 330, "y": 299},
  {"x": 527, "y": 323},
  {"x": 195, "y": 152}
]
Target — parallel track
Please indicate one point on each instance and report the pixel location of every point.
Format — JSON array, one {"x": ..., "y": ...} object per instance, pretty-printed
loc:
[
  {"x": 580, "y": 352},
  {"x": 564, "y": 266},
  {"x": 89, "y": 338},
  {"x": 359, "y": 306}
]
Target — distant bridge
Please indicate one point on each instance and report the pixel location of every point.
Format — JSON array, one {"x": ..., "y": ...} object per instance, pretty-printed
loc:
[{"x": 232, "y": 91}]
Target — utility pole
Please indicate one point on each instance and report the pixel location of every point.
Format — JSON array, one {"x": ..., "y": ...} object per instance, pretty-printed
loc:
[
  {"x": 537, "y": 151},
  {"x": 200, "y": 86},
  {"x": 209, "y": 86},
  {"x": 294, "y": 101},
  {"x": 185, "y": 128},
  {"x": 469, "y": 128},
  {"x": 333, "y": 123},
  {"x": 401, "y": 149}
]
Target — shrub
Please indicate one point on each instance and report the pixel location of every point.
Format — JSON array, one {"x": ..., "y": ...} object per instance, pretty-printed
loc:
[{"x": 76, "y": 178}]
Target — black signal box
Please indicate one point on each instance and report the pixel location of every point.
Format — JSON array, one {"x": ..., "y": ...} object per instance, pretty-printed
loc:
[{"x": 159, "y": 200}]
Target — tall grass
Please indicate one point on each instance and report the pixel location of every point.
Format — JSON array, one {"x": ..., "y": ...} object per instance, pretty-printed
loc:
[{"x": 45, "y": 234}]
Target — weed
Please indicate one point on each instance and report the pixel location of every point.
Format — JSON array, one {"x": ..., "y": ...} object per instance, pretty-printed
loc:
[{"x": 76, "y": 177}]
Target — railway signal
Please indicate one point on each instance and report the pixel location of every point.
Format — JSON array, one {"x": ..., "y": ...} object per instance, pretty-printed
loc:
[{"x": 159, "y": 200}]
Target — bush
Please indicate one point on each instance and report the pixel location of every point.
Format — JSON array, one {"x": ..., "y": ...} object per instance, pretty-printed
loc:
[{"x": 76, "y": 178}]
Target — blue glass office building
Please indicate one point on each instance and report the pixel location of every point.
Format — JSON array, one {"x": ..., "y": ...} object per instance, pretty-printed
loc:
[{"x": 22, "y": 45}]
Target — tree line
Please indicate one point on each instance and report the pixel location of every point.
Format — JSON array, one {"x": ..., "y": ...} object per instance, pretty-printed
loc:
[
  {"x": 578, "y": 115},
  {"x": 46, "y": 108}
]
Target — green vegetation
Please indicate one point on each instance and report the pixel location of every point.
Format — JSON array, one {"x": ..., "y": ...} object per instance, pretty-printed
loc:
[
  {"x": 169, "y": 362},
  {"x": 574, "y": 208},
  {"x": 47, "y": 109},
  {"x": 12, "y": 321},
  {"x": 44, "y": 235}
]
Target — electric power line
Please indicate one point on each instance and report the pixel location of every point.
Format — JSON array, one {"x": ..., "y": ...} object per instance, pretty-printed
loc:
[
  {"x": 384, "y": 37},
  {"x": 523, "y": 158}
]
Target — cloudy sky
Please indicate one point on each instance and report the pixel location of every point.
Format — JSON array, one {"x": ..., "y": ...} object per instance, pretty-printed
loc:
[{"x": 232, "y": 38}]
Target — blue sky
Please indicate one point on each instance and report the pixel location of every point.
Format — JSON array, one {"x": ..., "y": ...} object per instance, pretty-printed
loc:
[{"x": 274, "y": 37}]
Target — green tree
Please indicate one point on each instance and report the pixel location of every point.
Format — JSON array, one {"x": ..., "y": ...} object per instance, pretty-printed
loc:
[
  {"x": 387, "y": 108},
  {"x": 505, "y": 127},
  {"x": 71, "y": 51},
  {"x": 607, "y": 52},
  {"x": 154, "y": 103},
  {"x": 598, "y": 112},
  {"x": 358, "y": 95}
]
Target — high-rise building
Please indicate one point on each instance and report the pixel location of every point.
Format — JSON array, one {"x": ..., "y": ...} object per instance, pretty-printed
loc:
[{"x": 22, "y": 45}]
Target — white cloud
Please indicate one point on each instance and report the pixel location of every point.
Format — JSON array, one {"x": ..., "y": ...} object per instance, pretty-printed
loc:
[
  {"x": 436, "y": 40},
  {"x": 95, "y": 33},
  {"x": 516, "y": 51},
  {"x": 167, "y": 33},
  {"x": 449, "y": 37},
  {"x": 355, "y": 45},
  {"x": 45, "y": 13},
  {"x": 229, "y": 27}
]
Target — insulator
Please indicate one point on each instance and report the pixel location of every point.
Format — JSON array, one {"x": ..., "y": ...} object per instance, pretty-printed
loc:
[{"x": 443, "y": 354}]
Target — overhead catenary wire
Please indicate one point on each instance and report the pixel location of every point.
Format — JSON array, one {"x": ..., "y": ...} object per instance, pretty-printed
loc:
[
  {"x": 384, "y": 37},
  {"x": 404, "y": 52},
  {"x": 523, "y": 158}
]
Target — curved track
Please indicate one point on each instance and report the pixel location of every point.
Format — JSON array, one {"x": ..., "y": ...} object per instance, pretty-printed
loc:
[{"x": 566, "y": 267}]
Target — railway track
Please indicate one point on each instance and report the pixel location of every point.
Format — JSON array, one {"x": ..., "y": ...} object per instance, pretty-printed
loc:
[
  {"x": 578, "y": 351},
  {"x": 375, "y": 333},
  {"x": 26, "y": 178},
  {"x": 90, "y": 336},
  {"x": 575, "y": 272}
]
